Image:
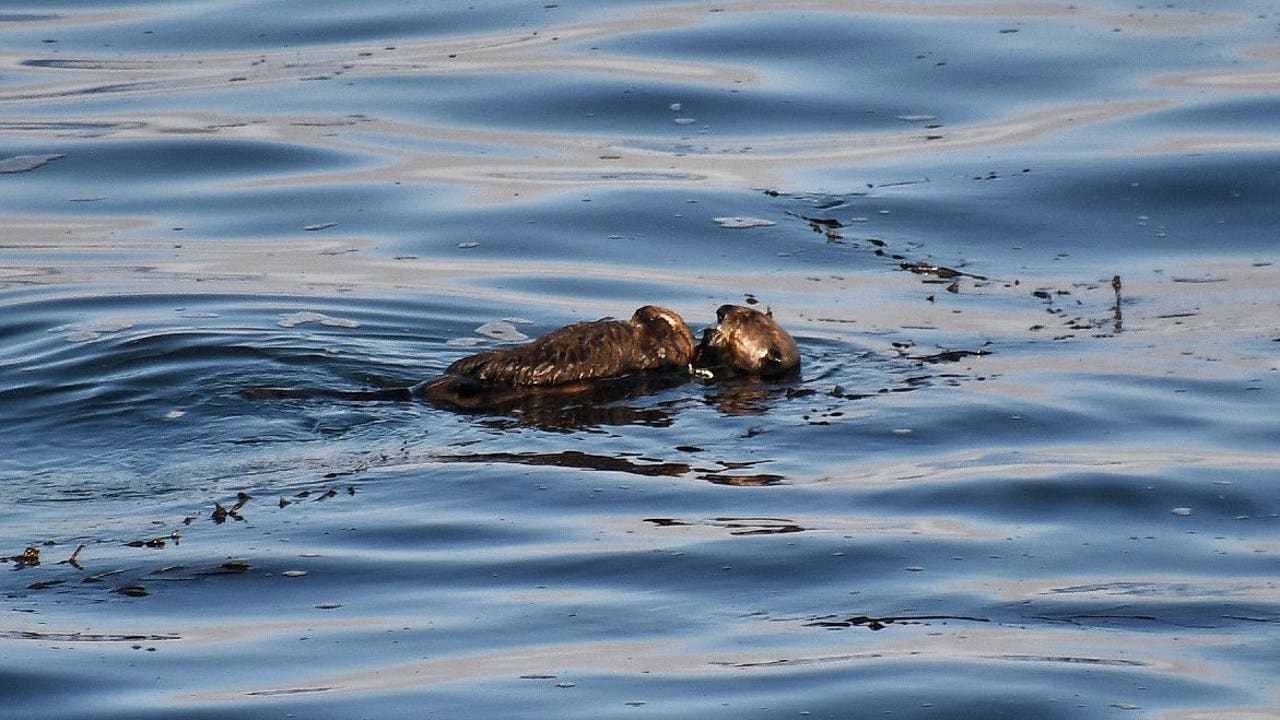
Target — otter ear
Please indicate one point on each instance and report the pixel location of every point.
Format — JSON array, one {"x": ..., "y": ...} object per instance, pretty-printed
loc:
[{"x": 768, "y": 311}]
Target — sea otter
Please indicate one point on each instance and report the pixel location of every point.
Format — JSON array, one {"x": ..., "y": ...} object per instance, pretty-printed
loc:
[
  {"x": 745, "y": 341},
  {"x": 597, "y": 361},
  {"x": 572, "y": 360}
]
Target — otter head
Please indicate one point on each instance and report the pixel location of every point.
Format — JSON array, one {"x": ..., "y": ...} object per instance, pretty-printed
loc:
[
  {"x": 667, "y": 340},
  {"x": 747, "y": 342}
]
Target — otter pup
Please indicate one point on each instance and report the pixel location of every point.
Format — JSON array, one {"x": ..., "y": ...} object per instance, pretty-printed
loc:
[
  {"x": 747, "y": 342},
  {"x": 571, "y": 360}
]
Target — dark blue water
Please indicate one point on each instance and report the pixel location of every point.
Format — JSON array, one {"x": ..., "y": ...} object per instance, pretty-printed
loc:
[{"x": 1003, "y": 487}]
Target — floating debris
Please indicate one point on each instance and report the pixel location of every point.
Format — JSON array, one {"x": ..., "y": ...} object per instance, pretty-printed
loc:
[
  {"x": 30, "y": 557},
  {"x": 1117, "y": 320},
  {"x": 667, "y": 522},
  {"x": 879, "y": 623},
  {"x": 155, "y": 542},
  {"x": 75, "y": 554},
  {"x": 230, "y": 567},
  {"x": 945, "y": 273},
  {"x": 220, "y": 513},
  {"x": 738, "y": 525},
  {"x": 755, "y": 480},
  {"x": 948, "y": 356},
  {"x": 822, "y": 222},
  {"x": 319, "y": 226}
]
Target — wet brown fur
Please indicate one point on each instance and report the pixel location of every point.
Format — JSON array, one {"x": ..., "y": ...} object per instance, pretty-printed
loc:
[
  {"x": 568, "y": 361},
  {"x": 746, "y": 341}
]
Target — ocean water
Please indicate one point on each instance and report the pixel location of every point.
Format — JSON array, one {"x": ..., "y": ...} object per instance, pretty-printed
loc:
[{"x": 1031, "y": 468}]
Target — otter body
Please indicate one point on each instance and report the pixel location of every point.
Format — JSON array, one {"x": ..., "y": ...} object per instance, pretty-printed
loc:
[
  {"x": 571, "y": 360},
  {"x": 745, "y": 341},
  {"x": 596, "y": 361}
]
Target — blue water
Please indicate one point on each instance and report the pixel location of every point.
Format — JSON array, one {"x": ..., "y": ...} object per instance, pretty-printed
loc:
[{"x": 1013, "y": 492}]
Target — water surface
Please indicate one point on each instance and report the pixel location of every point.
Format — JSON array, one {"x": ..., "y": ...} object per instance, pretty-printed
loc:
[{"x": 1027, "y": 249}]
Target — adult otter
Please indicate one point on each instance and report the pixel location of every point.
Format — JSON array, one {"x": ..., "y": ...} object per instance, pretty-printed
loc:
[
  {"x": 572, "y": 360},
  {"x": 745, "y": 341}
]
